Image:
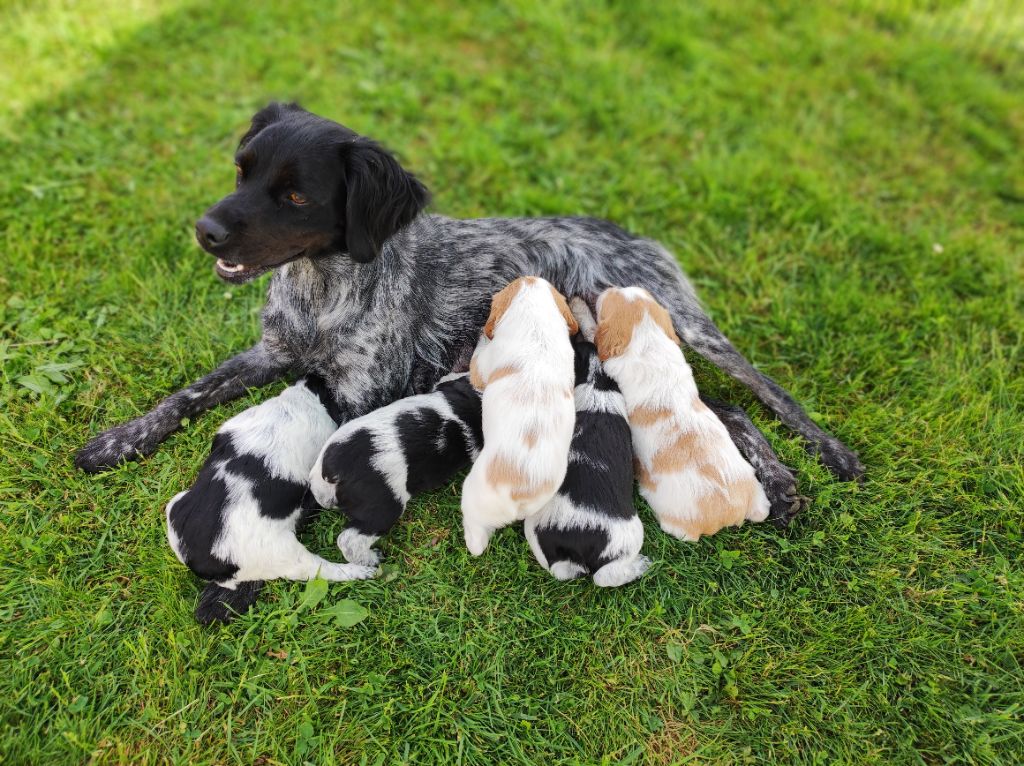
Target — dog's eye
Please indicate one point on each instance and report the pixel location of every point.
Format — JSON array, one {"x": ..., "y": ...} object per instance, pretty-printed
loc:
[{"x": 297, "y": 199}]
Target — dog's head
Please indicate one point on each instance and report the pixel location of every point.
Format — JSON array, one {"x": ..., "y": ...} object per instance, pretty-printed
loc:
[{"x": 306, "y": 187}]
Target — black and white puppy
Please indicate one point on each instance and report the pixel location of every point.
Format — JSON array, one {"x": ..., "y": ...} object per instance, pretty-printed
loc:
[
  {"x": 591, "y": 526},
  {"x": 236, "y": 526},
  {"x": 372, "y": 465}
]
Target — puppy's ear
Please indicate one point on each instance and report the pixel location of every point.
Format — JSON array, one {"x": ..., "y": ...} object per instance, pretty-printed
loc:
[
  {"x": 382, "y": 198},
  {"x": 268, "y": 115},
  {"x": 662, "y": 318},
  {"x": 563, "y": 307},
  {"x": 475, "y": 378},
  {"x": 499, "y": 305},
  {"x": 615, "y": 325}
]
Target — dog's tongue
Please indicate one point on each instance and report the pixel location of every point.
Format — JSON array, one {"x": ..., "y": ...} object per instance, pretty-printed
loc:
[{"x": 228, "y": 266}]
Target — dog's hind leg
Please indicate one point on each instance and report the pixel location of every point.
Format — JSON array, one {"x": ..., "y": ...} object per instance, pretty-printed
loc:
[
  {"x": 220, "y": 604},
  {"x": 775, "y": 477},
  {"x": 703, "y": 336},
  {"x": 566, "y": 570},
  {"x": 621, "y": 571}
]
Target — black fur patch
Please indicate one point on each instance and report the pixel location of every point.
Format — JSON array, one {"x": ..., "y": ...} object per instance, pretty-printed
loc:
[
  {"x": 318, "y": 386},
  {"x": 580, "y": 546},
  {"x": 363, "y": 494},
  {"x": 604, "y": 440},
  {"x": 196, "y": 517},
  {"x": 278, "y": 498},
  {"x": 435, "y": 449},
  {"x": 465, "y": 403},
  {"x": 217, "y": 604}
]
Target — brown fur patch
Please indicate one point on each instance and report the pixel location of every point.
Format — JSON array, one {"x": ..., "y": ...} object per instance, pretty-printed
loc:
[
  {"x": 501, "y": 471},
  {"x": 642, "y": 476},
  {"x": 711, "y": 473},
  {"x": 648, "y": 416},
  {"x": 528, "y": 493},
  {"x": 530, "y": 438},
  {"x": 698, "y": 405},
  {"x": 689, "y": 529},
  {"x": 661, "y": 318},
  {"x": 614, "y": 325},
  {"x": 684, "y": 452},
  {"x": 500, "y": 303},
  {"x": 727, "y": 507},
  {"x": 724, "y": 506},
  {"x": 502, "y": 372},
  {"x": 563, "y": 308},
  {"x": 475, "y": 378},
  {"x": 620, "y": 316}
]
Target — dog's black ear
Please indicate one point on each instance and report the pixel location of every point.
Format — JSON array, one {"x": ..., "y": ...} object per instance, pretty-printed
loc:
[
  {"x": 268, "y": 115},
  {"x": 382, "y": 197}
]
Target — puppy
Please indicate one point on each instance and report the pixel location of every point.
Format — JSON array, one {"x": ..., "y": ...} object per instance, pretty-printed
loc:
[
  {"x": 689, "y": 470},
  {"x": 591, "y": 526},
  {"x": 371, "y": 466},
  {"x": 237, "y": 523},
  {"x": 524, "y": 366}
]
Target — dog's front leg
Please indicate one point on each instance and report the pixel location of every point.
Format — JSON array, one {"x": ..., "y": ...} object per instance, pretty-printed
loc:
[
  {"x": 140, "y": 437},
  {"x": 776, "y": 478}
]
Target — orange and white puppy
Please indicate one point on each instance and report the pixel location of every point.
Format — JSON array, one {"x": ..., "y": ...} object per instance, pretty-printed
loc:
[
  {"x": 690, "y": 472},
  {"x": 523, "y": 364}
]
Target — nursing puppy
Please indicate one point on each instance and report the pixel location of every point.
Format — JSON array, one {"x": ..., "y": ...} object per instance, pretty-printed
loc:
[
  {"x": 689, "y": 470},
  {"x": 524, "y": 366},
  {"x": 372, "y": 465},
  {"x": 236, "y": 526},
  {"x": 591, "y": 526}
]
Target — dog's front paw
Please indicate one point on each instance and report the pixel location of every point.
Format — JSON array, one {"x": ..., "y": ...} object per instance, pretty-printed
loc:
[
  {"x": 840, "y": 460},
  {"x": 356, "y": 547},
  {"x": 781, "y": 489},
  {"x": 128, "y": 441}
]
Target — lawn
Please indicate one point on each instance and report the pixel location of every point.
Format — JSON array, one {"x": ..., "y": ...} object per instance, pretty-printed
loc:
[{"x": 843, "y": 182}]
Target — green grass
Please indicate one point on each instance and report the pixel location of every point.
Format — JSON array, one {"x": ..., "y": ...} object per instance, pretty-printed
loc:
[{"x": 845, "y": 185}]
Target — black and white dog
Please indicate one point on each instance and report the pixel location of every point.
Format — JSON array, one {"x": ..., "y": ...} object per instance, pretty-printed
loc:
[
  {"x": 379, "y": 298},
  {"x": 236, "y": 525},
  {"x": 372, "y": 465},
  {"x": 591, "y": 525}
]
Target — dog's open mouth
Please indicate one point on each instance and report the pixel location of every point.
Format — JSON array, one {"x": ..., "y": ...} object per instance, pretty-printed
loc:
[
  {"x": 237, "y": 272},
  {"x": 230, "y": 268},
  {"x": 230, "y": 271}
]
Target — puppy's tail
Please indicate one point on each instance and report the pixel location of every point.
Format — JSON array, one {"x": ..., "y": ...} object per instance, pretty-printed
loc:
[{"x": 220, "y": 604}]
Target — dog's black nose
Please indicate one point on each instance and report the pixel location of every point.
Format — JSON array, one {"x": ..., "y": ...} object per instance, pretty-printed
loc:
[{"x": 211, "y": 234}]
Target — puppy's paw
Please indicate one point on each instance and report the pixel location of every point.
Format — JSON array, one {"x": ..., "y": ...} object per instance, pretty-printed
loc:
[
  {"x": 840, "y": 460},
  {"x": 356, "y": 547},
  {"x": 477, "y": 539},
  {"x": 219, "y": 604}
]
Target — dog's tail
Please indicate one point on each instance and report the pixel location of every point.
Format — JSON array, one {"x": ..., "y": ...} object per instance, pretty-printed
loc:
[{"x": 220, "y": 604}]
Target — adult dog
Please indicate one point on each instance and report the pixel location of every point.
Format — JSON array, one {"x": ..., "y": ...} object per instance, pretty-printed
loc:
[{"x": 381, "y": 299}]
